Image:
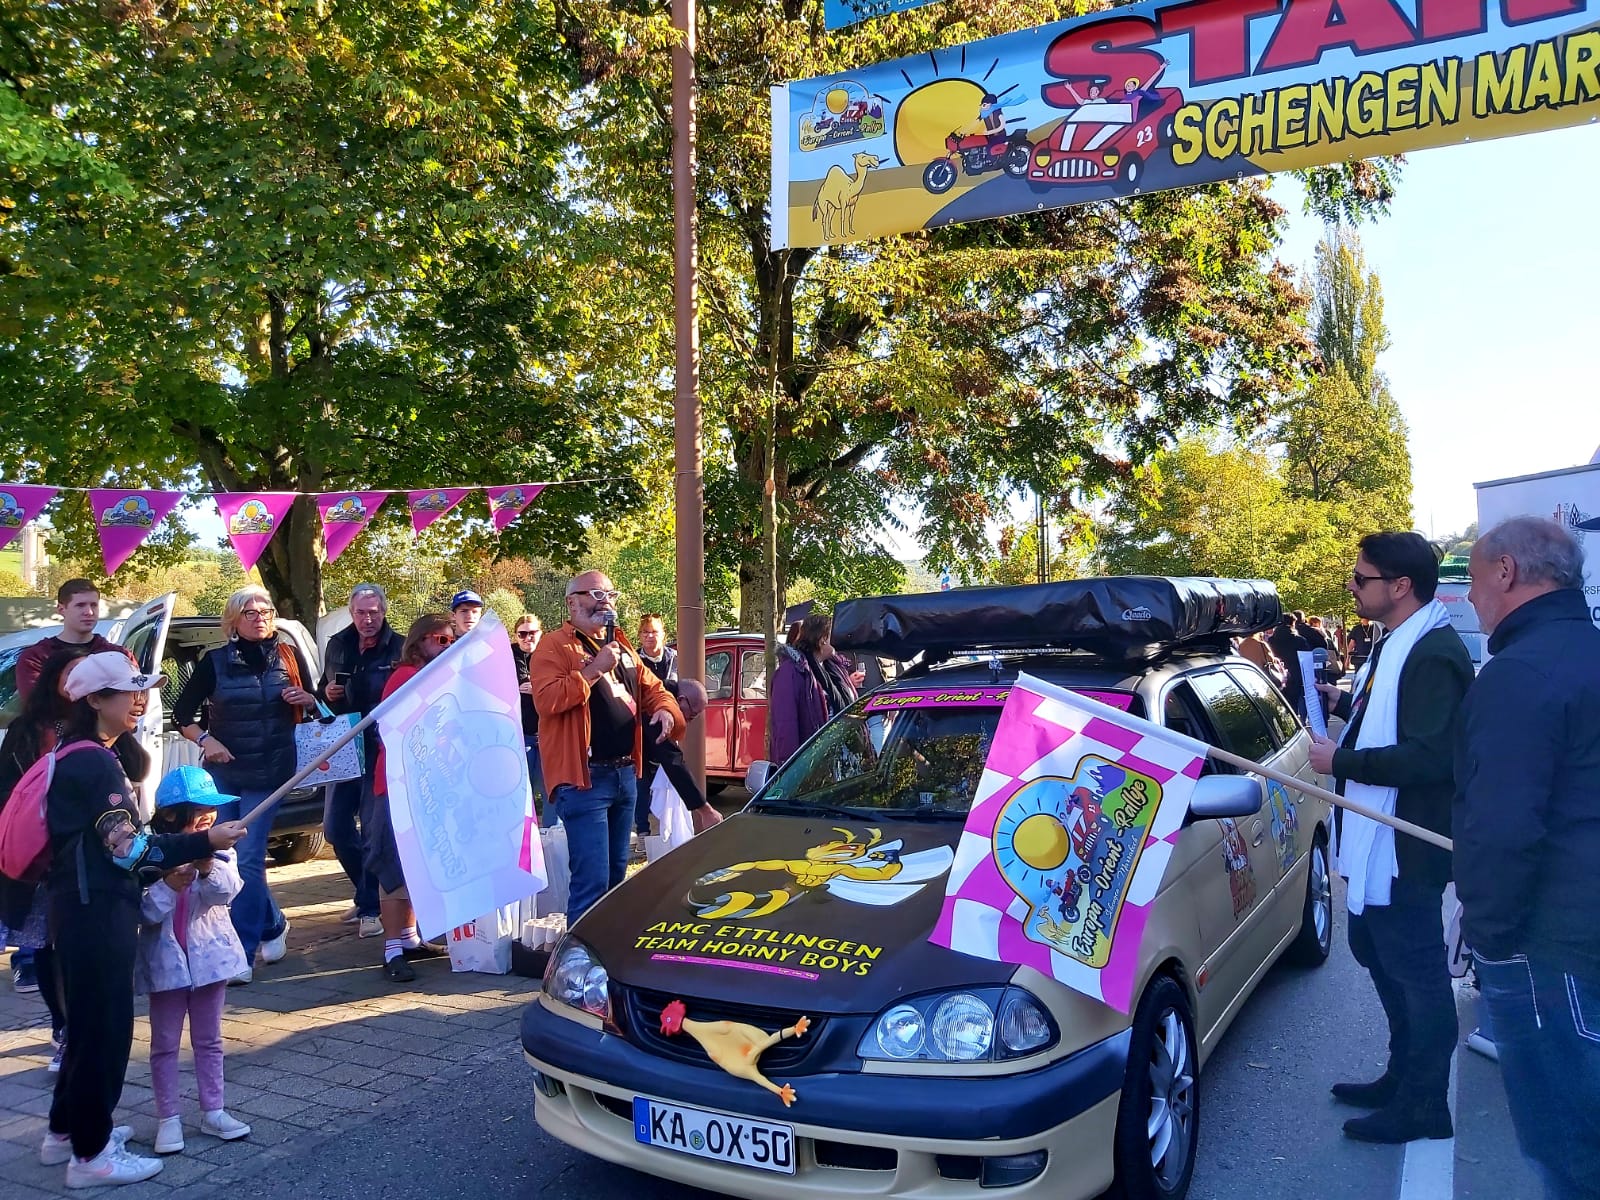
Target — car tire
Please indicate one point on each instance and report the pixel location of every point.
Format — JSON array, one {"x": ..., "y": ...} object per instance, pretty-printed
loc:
[
  {"x": 1158, "y": 1119},
  {"x": 301, "y": 847},
  {"x": 1315, "y": 941}
]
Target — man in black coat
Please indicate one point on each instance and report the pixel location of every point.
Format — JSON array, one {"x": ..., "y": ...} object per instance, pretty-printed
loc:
[
  {"x": 1397, "y": 882},
  {"x": 357, "y": 666},
  {"x": 1527, "y": 841}
]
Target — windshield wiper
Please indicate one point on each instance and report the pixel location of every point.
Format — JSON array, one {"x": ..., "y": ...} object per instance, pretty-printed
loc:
[{"x": 796, "y": 809}]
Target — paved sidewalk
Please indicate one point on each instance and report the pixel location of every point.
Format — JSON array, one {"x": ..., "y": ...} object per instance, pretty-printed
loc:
[{"x": 317, "y": 1044}]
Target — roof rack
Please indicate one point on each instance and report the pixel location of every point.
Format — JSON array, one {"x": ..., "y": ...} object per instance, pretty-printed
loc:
[{"x": 1125, "y": 617}]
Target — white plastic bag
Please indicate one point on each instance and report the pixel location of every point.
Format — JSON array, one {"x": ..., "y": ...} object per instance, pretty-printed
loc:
[
  {"x": 558, "y": 872},
  {"x": 672, "y": 816},
  {"x": 485, "y": 944}
]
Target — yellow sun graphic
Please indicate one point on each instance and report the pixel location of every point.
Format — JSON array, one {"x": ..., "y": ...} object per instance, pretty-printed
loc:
[
  {"x": 930, "y": 114},
  {"x": 1041, "y": 842}
]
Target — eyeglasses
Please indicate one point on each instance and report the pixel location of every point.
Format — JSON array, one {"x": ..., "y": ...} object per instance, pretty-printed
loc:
[
  {"x": 258, "y": 614},
  {"x": 527, "y": 633},
  {"x": 600, "y": 595},
  {"x": 442, "y": 639},
  {"x": 1361, "y": 581}
]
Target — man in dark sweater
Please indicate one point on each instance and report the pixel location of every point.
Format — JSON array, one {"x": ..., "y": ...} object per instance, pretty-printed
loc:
[
  {"x": 78, "y": 604},
  {"x": 1397, "y": 882},
  {"x": 1527, "y": 821}
]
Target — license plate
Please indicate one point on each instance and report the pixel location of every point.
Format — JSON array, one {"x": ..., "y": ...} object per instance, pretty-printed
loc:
[{"x": 720, "y": 1138}]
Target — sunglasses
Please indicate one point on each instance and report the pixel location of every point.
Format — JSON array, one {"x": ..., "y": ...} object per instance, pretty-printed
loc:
[
  {"x": 442, "y": 639},
  {"x": 600, "y": 595},
  {"x": 1361, "y": 581},
  {"x": 524, "y": 634}
]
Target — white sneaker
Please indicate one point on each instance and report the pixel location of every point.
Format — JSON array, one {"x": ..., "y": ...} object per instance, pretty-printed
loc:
[
  {"x": 371, "y": 927},
  {"x": 220, "y": 1125},
  {"x": 1476, "y": 1041},
  {"x": 112, "y": 1165},
  {"x": 273, "y": 949},
  {"x": 244, "y": 976},
  {"x": 57, "y": 1055},
  {"x": 54, "y": 1151},
  {"x": 169, "y": 1135},
  {"x": 350, "y": 916}
]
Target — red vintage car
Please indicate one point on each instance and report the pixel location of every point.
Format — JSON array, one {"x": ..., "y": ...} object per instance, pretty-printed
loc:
[{"x": 1106, "y": 139}]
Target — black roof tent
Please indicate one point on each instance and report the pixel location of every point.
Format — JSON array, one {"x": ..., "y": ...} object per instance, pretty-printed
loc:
[{"x": 1118, "y": 617}]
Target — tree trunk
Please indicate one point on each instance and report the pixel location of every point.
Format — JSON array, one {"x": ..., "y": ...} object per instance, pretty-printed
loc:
[{"x": 291, "y": 567}]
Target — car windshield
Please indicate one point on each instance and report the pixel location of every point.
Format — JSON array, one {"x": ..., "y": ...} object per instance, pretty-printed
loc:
[
  {"x": 878, "y": 758},
  {"x": 8, "y": 681}
]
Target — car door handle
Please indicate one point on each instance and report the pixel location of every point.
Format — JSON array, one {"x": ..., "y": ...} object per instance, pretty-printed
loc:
[{"x": 1258, "y": 833}]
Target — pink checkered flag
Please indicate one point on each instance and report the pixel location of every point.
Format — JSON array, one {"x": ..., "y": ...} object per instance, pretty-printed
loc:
[{"x": 1068, "y": 839}]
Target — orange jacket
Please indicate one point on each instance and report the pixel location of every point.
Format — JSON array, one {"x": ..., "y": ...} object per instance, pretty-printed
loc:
[{"x": 561, "y": 695}]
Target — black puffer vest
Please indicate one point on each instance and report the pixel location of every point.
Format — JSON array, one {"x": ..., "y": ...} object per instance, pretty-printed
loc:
[{"x": 250, "y": 718}]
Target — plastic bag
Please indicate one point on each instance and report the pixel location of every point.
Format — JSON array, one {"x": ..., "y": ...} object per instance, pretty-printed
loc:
[
  {"x": 558, "y": 873},
  {"x": 484, "y": 945},
  {"x": 672, "y": 816}
]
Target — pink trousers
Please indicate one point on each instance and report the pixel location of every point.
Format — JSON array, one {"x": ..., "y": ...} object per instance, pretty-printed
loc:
[{"x": 203, "y": 1007}]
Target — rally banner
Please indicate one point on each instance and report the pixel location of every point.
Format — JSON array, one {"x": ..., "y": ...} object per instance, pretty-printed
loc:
[
  {"x": 457, "y": 773},
  {"x": 344, "y": 516},
  {"x": 251, "y": 518},
  {"x": 428, "y": 506},
  {"x": 1165, "y": 94},
  {"x": 20, "y": 504},
  {"x": 1069, "y": 835},
  {"x": 506, "y": 503},
  {"x": 125, "y": 517}
]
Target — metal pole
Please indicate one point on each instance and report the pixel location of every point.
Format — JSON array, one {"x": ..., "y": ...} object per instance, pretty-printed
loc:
[{"x": 689, "y": 489}]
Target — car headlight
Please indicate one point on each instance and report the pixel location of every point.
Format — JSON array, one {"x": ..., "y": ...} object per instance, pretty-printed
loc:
[
  {"x": 576, "y": 978},
  {"x": 978, "y": 1025}
]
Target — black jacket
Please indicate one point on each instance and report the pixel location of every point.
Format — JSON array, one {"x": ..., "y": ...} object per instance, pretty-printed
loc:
[
  {"x": 1527, "y": 806},
  {"x": 369, "y": 672},
  {"x": 1433, "y": 684},
  {"x": 530, "y": 714}
]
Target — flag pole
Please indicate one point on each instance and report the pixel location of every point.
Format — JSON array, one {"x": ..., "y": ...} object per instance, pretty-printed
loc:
[
  {"x": 310, "y": 768},
  {"x": 1311, "y": 789}
]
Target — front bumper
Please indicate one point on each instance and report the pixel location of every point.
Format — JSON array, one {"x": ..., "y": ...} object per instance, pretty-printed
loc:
[{"x": 855, "y": 1134}]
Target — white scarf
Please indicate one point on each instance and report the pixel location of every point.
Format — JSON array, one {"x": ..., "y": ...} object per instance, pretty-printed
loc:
[{"x": 1366, "y": 847}]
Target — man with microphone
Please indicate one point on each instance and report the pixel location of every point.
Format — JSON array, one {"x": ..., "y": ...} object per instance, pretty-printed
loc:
[{"x": 597, "y": 703}]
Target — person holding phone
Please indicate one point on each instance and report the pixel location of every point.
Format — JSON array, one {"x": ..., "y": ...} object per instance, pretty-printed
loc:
[{"x": 359, "y": 661}]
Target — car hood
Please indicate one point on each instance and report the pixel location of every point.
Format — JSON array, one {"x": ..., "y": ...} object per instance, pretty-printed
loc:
[{"x": 828, "y": 914}]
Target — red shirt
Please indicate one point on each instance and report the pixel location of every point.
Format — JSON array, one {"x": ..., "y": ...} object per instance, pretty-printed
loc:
[{"x": 380, "y": 781}]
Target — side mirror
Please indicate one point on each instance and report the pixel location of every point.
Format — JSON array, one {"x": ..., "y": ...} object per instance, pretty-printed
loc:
[
  {"x": 756, "y": 777},
  {"x": 1226, "y": 796}
]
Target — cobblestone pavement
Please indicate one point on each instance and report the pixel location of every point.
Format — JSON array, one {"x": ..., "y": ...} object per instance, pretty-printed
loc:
[{"x": 318, "y": 1044}]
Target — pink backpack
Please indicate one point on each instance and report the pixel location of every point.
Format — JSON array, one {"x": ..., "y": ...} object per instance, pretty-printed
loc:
[{"x": 24, "y": 830}]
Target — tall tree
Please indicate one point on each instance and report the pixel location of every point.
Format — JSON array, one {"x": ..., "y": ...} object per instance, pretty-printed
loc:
[{"x": 299, "y": 261}]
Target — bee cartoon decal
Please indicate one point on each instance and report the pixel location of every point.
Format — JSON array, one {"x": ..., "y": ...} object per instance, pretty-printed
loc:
[{"x": 862, "y": 870}]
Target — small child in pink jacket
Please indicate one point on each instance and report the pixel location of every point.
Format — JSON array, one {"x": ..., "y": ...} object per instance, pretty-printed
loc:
[{"x": 188, "y": 951}]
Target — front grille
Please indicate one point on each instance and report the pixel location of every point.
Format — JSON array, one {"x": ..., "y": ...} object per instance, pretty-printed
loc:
[
  {"x": 641, "y": 1013},
  {"x": 1073, "y": 168}
]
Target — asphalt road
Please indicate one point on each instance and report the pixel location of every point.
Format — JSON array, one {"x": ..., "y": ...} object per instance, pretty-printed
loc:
[{"x": 1269, "y": 1129}]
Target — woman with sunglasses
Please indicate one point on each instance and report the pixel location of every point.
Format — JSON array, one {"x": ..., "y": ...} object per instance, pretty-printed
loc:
[
  {"x": 430, "y": 635},
  {"x": 524, "y": 641},
  {"x": 240, "y": 707}
]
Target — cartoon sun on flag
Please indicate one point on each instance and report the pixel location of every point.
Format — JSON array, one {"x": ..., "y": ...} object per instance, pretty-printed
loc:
[
  {"x": 130, "y": 510},
  {"x": 432, "y": 501},
  {"x": 1068, "y": 847},
  {"x": 348, "y": 509},
  {"x": 252, "y": 517}
]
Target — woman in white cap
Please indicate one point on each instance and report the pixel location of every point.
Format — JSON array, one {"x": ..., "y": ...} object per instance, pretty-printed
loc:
[{"x": 99, "y": 856}]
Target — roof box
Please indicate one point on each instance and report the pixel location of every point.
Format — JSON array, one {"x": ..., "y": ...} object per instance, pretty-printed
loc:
[{"x": 1120, "y": 617}]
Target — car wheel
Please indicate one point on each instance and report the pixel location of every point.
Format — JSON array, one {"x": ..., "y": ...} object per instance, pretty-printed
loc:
[
  {"x": 1158, "y": 1120},
  {"x": 1312, "y": 946},
  {"x": 302, "y": 847},
  {"x": 1132, "y": 173}
]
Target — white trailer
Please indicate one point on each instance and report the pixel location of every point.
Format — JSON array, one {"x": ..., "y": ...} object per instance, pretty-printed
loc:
[{"x": 1570, "y": 497}]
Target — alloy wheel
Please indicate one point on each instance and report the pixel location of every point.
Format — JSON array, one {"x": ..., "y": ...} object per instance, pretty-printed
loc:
[{"x": 1170, "y": 1125}]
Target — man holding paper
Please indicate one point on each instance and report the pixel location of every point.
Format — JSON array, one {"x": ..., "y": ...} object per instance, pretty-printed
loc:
[{"x": 1395, "y": 756}]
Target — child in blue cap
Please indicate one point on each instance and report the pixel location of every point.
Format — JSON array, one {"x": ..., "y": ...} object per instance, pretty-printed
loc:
[{"x": 188, "y": 951}]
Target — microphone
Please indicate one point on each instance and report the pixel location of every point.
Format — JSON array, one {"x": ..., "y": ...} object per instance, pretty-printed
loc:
[
  {"x": 1319, "y": 659},
  {"x": 611, "y": 625}
]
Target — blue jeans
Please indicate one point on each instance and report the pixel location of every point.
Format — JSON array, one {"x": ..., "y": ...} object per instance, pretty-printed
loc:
[
  {"x": 541, "y": 798},
  {"x": 1547, "y": 1029},
  {"x": 598, "y": 820},
  {"x": 339, "y": 826},
  {"x": 256, "y": 916}
]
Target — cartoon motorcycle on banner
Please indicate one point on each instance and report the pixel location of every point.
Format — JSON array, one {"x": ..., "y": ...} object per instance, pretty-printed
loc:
[{"x": 980, "y": 147}]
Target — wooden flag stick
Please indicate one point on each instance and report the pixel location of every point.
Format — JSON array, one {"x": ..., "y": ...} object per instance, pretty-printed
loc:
[
  {"x": 1311, "y": 789},
  {"x": 328, "y": 752}
]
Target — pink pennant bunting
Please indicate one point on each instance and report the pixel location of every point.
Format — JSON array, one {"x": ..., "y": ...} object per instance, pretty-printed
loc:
[
  {"x": 125, "y": 517},
  {"x": 19, "y": 504},
  {"x": 427, "y": 507},
  {"x": 344, "y": 516},
  {"x": 506, "y": 503},
  {"x": 251, "y": 518}
]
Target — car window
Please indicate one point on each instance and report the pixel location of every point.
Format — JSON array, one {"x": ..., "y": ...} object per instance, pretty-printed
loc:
[
  {"x": 140, "y": 645},
  {"x": 8, "y": 681},
  {"x": 1238, "y": 723},
  {"x": 719, "y": 682},
  {"x": 1269, "y": 700},
  {"x": 753, "y": 675},
  {"x": 1182, "y": 713}
]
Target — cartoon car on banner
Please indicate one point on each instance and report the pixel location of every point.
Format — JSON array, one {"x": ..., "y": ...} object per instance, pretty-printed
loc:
[{"x": 1109, "y": 137}]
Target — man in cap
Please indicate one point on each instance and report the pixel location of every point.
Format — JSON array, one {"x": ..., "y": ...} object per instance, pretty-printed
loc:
[{"x": 466, "y": 610}]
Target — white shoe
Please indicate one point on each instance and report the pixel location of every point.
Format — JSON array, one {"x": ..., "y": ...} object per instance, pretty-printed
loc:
[
  {"x": 57, "y": 1055},
  {"x": 371, "y": 927},
  {"x": 220, "y": 1125},
  {"x": 112, "y": 1165},
  {"x": 169, "y": 1135},
  {"x": 244, "y": 976},
  {"x": 1476, "y": 1041},
  {"x": 350, "y": 916},
  {"x": 273, "y": 949},
  {"x": 54, "y": 1151}
]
